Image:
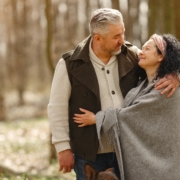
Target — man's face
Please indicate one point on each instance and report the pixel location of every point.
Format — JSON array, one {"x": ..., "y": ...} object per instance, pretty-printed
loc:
[{"x": 111, "y": 42}]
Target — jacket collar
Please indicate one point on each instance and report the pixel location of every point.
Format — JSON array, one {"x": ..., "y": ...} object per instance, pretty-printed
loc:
[
  {"x": 125, "y": 64},
  {"x": 82, "y": 50},
  {"x": 86, "y": 73}
]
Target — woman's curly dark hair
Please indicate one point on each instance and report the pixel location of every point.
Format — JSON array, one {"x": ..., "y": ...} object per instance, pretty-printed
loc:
[{"x": 171, "y": 61}]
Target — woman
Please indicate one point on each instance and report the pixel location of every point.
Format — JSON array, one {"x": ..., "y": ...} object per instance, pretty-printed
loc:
[{"x": 145, "y": 132}]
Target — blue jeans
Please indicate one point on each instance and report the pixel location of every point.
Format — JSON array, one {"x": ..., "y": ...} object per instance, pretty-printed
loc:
[{"x": 103, "y": 162}]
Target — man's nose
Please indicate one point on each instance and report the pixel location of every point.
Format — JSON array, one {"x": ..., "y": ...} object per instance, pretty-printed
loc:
[{"x": 121, "y": 40}]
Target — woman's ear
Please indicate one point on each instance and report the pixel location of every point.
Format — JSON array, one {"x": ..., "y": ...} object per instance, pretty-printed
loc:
[{"x": 160, "y": 58}]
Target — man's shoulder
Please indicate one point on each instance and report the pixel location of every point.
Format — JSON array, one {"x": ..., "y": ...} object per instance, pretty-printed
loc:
[
  {"x": 133, "y": 48},
  {"x": 130, "y": 50},
  {"x": 67, "y": 54},
  {"x": 80, "y": 51},
  {"x": 128, "y": 44}
]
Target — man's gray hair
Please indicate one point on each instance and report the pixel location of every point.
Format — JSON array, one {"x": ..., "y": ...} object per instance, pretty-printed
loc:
[{"x": 101, "y": 18}]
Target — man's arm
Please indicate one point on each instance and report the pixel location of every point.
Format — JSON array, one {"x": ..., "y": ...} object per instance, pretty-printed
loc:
[
  {"x": 66, "y": 161},
  {"x": 58, "y": 116},
  {"x": 170, "y": 82}
]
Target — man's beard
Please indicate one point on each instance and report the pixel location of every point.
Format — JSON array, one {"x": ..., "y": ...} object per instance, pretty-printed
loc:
[{"x": 114, "y": 53}]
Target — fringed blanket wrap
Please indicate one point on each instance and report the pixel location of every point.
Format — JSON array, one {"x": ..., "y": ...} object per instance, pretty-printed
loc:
[{"x": 145, "y": 134}]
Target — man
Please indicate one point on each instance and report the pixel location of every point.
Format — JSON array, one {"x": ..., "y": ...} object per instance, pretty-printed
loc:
[{"x": 96, "y": 75}]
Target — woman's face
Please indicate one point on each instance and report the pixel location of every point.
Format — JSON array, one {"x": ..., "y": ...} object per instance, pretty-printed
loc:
[{"x": 149, "y": 57}]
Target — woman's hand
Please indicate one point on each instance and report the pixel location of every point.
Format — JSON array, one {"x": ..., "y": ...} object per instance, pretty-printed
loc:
[{"x": 86, "y": 119}]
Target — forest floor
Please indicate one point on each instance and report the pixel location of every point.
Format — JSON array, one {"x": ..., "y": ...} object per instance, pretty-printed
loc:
[{"x": 25, "y": 150}]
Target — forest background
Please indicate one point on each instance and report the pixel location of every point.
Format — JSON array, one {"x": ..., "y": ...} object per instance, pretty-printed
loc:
[{"x": 33, "y": 36}]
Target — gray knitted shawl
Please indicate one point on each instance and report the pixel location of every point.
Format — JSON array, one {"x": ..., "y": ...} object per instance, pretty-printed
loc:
[{"x": 145, "y": 134}]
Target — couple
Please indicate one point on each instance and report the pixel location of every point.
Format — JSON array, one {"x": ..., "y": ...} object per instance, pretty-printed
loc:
[{"x": 96, "y": 75}]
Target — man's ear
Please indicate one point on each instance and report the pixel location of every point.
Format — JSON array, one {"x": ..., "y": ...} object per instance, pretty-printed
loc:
[
  {"x": 90, "y": 172},
  {"x": 97, "y": 38}
]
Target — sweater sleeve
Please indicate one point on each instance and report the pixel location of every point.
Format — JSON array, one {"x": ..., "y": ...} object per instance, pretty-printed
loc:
[{"x": 58, "y": 107}]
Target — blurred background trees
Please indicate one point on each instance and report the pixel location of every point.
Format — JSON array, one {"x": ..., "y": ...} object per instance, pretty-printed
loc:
[{"x": 34, "y": 35}]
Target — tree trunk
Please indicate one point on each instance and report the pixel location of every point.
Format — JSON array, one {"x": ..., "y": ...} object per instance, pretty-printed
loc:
[
  {"x": 2, "y": 108},
  {"x": 49, "y": 35},
  {"x": 155, "y": 17},
  {"x": 176, "y": 8},
  {"x": 168, "y": 16},
  {"x": 87, "y": 17},
  {"x": 132, "y": 28},
  {"x": 152, "y": 17},
  {"x": 53, "y": 154},
  {"x": 115, "y": 4},
  {"x": 98, "y": 4},
  {"x": 71, "y": 23},
  {"x": 49, "y": 59},
  {"x": 18, "y": 46}
]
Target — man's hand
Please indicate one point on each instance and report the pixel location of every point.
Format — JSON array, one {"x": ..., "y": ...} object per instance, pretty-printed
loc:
[
  {"x": 170, "y": 83},
  {"x": 66, "y": 161}
]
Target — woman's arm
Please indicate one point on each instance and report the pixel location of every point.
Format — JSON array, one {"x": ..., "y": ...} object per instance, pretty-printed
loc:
[
  {"x": 86, "y": 119},
  {"x": 171, "y": 82}
]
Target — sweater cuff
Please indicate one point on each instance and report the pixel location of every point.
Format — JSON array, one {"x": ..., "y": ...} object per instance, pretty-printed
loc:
[{"x": 62, "y": 146}]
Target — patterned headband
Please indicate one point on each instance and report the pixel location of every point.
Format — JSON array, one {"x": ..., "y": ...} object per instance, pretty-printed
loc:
[{"x": 159, "y": 41}]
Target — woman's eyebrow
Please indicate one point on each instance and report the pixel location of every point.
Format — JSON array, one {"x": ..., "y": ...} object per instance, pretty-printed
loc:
[{"x": 145, "y": 46}]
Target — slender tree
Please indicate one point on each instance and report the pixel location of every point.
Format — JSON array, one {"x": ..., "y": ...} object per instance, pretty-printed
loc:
[
  {"x": 160, "y": 17},
  {"x": 88, "y": 14},
  {"x": 2, "y": 102},
  {"x": 176, "y": 10},
  {"x": 49, "y": 35},
  {"x": 2, "y": 73},
  {"x": 98, "y": 4},
  {"x": 132, "y": 21},
  {"x": 115, "y": 4},
  {"x": 168, "y": 16},
  {"x": 152, "y": 17},
  {"x": 19, "y": 25}
]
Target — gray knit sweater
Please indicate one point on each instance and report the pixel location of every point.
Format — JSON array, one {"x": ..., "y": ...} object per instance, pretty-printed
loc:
[{"x": 145, "y": 134}]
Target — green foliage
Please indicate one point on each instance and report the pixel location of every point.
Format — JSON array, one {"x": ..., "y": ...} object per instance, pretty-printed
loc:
[{"x": 24, "y": 176}]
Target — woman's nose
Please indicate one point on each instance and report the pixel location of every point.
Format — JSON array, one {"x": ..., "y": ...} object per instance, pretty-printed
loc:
[{"x": 140, "y": 52}]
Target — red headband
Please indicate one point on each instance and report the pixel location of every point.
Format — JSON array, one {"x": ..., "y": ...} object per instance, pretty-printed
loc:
[{"x": 159, "y": 41}]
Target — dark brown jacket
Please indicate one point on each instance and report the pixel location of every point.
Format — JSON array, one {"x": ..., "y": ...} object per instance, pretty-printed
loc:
[{"x": 85, "y": 92}]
